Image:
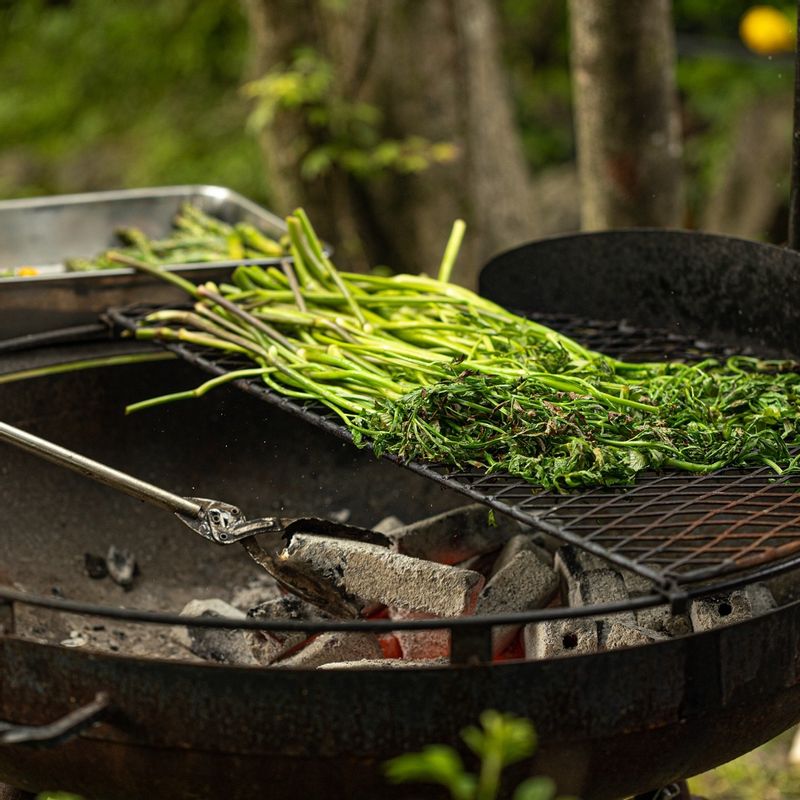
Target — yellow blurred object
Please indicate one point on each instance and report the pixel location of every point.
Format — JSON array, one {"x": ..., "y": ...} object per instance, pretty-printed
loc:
[
  {"x": 766, "y": 31},
  {"x": 27, "y": 272}
]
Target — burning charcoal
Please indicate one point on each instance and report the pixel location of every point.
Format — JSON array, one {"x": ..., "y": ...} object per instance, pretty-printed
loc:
[
  {"x": 335, "y": 646},
  {"x": 388, "y": 524},
  {"x": 121, "y": 566},
  {"x": 725, "y": 609},
  {"x": 659, "y": 618},
  {"x": 560, "y": 637},
  {"x": 517, "y": 544},
  {"x": 600, "y": 586},
  {"x": 614, "y": 635},
  {"x": 269, "y": 646},
  {"x": 96, "y": 567},
  {"x": 785, "y": 588},
  {"x": 523, "y": 584},
  {"x": 374, "y": 574},
  {"x": 385, "y": 663},
  {"x": 662, "y": 620},
  {"x": 636, "y": 585},
  {"x": 571, "y": 562},
  {"x": 453, "y": 536},
  {"x": 226, "y": 646},
  {"x": 514, "y": 651},
  {"x": 390, "y": 647},
  {"x": 259, "y": 589},
  {"x": 421, "y": 644},
  {"x": 760, "y": 598}
]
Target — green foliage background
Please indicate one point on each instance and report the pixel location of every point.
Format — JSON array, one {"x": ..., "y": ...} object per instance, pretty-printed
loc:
[
  {"x": 717, "y": 77},
  {"x": 98, "y": 94}
]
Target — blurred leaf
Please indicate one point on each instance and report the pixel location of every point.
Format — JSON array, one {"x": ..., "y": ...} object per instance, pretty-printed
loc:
[
  {"x": 512, "y": 738},
  {"x": 316, "y": 163},
  {"x": 347, "y": 132},
  {"x": 101, "y": 95},
  {"x": 435, "y": 764},
  {"x": 58, "y": 796},
  {"x": 540, "y": 788}
]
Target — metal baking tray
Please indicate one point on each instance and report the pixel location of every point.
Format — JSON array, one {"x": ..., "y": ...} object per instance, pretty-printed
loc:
[{"x": 44, "y": 231}]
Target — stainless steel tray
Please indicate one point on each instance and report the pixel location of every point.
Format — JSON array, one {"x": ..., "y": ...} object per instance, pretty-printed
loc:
[{"x": 44, "y": 231}]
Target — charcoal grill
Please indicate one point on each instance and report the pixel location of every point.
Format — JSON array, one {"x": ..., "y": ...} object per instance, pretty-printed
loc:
[{"x": 610, "y": 724}]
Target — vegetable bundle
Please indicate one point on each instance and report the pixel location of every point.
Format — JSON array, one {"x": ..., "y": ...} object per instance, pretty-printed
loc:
[
  {"x": 197, "y": 238},
  {"x": 428, "y": 370}
]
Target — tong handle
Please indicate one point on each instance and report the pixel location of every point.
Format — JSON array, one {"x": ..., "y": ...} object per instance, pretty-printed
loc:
[{"x": 99, "y": 472}]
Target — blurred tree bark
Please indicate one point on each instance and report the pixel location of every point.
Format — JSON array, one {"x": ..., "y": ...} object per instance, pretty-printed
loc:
[
  {"x": 434, "y": 70},
  {"x": 626, "y": 113},
  {"x": 750, "y": 186}
]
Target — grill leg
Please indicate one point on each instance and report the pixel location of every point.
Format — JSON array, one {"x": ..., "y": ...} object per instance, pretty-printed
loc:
[
  {"x": 675, "y": 791},
  {"x": 10, "y": 793}
]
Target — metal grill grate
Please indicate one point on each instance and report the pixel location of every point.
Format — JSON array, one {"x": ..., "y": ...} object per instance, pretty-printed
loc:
[{"x": 673, "y": 528}]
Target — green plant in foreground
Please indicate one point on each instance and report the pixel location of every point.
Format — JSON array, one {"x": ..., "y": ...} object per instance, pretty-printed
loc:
[{"x": 500, "y": 741}]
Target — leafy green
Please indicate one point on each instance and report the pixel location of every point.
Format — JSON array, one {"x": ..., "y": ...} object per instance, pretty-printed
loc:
[
  {"x": 500, "y": 741},
  {"x": 426, "y": 370}
]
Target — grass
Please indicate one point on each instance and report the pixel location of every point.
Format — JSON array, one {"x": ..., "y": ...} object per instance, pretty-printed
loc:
[{"x": 763, "y": 774}]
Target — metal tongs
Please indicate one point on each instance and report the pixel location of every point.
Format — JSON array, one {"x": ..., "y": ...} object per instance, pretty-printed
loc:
[{"x": 219, "y": 522}]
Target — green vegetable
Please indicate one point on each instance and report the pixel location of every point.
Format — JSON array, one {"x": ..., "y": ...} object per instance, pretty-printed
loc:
[
  {"x": 428, "y": 370},
  {"x": 82, "y": 364},
  {"x": 198, "y": 238}
]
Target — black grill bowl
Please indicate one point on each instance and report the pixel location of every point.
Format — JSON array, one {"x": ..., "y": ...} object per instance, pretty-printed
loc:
[
  {"x": 610, "y": 725},
  {"x": 714, "y": 288}
]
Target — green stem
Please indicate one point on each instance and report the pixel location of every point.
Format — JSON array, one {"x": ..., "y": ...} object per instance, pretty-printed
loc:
[
  {"x": 86, "y": 363},
  {"x": 158, "y": 272},
  {"x": 315, "y": 253},
  {"x": 451, "y": 250},
  {"x": 199, "y": 391}
]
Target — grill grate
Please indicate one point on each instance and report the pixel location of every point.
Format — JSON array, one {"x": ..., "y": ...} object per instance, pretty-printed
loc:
[{"x": 674, "y": 528}]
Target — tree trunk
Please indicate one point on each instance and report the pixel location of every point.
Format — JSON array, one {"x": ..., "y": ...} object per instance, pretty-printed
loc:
[
  {"x": 433, "y": 69},
  {"x": 748, "y": 191},
  {"x": 626, "y": 113}
]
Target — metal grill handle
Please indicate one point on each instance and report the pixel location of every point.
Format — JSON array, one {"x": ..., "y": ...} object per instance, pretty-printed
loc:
[
  {"x": 55, "y": 732},
  {"x": 99, "y": 472}
]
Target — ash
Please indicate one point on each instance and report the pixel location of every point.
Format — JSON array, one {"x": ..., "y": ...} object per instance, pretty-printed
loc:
[{"x": 461, "y": 562}]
